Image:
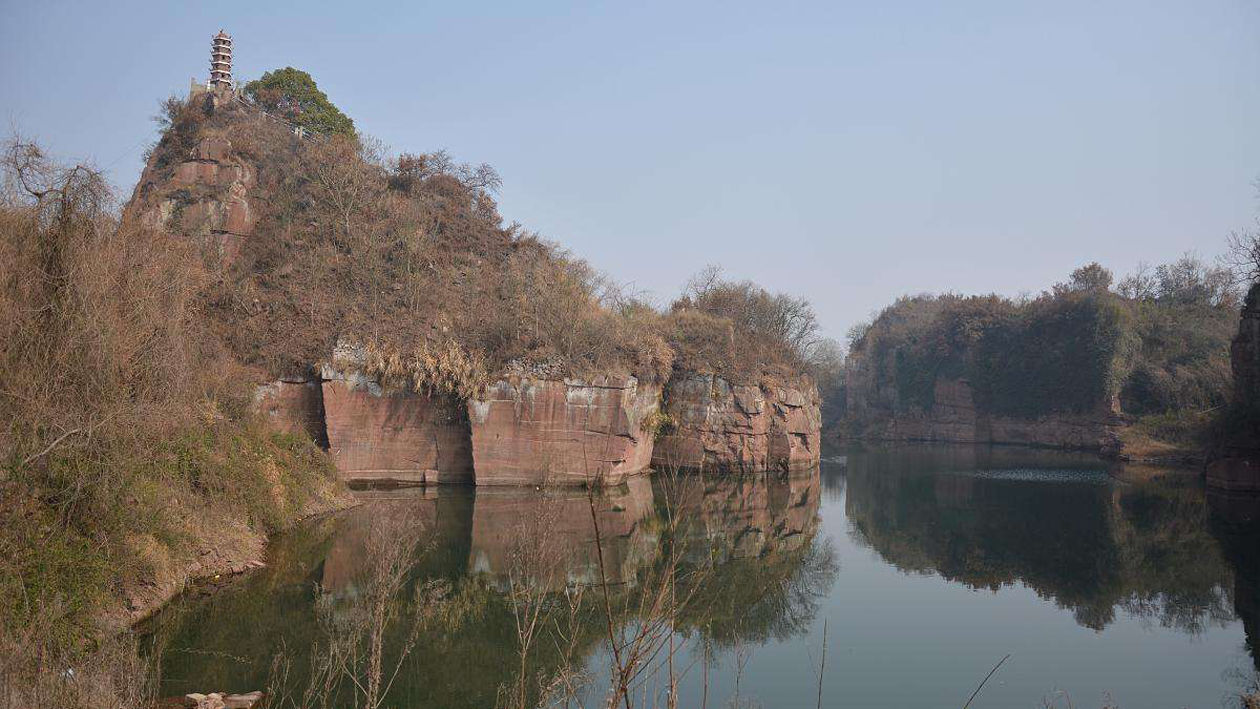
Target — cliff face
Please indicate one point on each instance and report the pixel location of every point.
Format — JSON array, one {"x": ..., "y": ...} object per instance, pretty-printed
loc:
[
  {"x": 535, "y": 431},
  {"x": 720, "y": 426},
  {"x": 520, "y": 431},
  {"x": 1245, "y": 349},
  {"x": 1238, "y": 465},
  {"x": 392, "y": 433},
  {"x": 205, "y": 196},
  {"x": 529, "y": 431},
  {"x": 954, "y": 417}
]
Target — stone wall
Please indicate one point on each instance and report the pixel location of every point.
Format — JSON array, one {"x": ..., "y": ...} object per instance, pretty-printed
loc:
[
  {"x": 720, "y": 426},
  {"x": 531, "y": 431}
]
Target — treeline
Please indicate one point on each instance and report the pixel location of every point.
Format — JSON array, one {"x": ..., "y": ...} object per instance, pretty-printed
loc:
[{"x": 1155, "y": 345}]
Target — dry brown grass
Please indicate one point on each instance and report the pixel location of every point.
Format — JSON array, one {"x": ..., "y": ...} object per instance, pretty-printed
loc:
[
  {"x": 122, "y": 422},
  {"x": 411, "y": 256}
]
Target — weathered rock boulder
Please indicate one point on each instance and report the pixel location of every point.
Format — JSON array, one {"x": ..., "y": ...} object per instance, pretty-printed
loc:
[
  {"x": 721, "y": 426},
  {"x": 535, "y": 431},
  {"x": 388, "y": 432},
  {"x": 1237, "y": 466}
]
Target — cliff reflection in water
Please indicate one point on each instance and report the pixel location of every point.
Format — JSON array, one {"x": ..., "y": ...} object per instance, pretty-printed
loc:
[
  {"x": 1095, "y": 544},
  {"x": 764, "y": 569}
]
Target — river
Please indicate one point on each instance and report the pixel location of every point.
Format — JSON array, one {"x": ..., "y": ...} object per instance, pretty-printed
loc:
[{"x": 1101, "y": 585}]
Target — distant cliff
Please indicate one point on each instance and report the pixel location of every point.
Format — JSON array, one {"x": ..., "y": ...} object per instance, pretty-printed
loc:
[
  {"x": 1118, "y": 371},
  {"x": 1236, "y": 464}
]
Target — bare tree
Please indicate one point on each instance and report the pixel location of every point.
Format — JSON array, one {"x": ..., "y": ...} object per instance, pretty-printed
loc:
[
  {"x": 1139, "y": 285},
  {"x": 1242, "y": 256},
  {"x": 346, "y": 182}
]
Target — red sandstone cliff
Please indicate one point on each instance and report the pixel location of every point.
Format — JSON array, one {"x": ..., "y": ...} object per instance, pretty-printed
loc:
[
  {"x": 531, "y": 431},
  {"x": 206, "y": 196},
  {"x": 535, "y": 431},
  {"x": 954, "y": 417},
  {"x": 386, "y": 431},
  {"x": 720, "y": 426}
]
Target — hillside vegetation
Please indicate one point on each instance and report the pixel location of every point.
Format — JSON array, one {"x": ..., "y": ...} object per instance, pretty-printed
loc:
[
  {"x": 130, "y": 456},
  {"x": 410, "y": 256},
  {"x": 128, "y": 452},
  {"x": 1156, "y": 345}
]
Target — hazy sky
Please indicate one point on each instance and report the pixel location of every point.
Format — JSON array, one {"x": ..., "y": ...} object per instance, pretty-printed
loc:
[{"x": 846, "y": 152}]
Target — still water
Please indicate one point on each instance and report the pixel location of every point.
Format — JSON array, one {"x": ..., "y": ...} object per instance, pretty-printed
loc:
[{"x": 927, "y": 565}]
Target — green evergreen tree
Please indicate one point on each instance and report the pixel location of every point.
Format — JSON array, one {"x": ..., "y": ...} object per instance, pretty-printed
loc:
[{"x": 293, "y": 94}]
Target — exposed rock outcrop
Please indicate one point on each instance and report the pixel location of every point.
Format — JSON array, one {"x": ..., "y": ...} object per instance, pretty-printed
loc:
[
  {"x": 527, "y": 430},
  {"x": 533, "y": 431},
  {"x": 206, "y": 197},
  {"x": 720, "y": 426},
  {"x": 1237, "y": 466},
  {"x": 385, "y": 431},
  {"x": 294, "y": 405},
  {"x": 1245, "y": 350},
  {"x": 955, "y": 418}
]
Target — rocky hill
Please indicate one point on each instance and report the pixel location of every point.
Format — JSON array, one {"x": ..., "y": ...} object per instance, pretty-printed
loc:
[
  {"x": 389, "y": 314},
  {"x": 276, "y": 312}
]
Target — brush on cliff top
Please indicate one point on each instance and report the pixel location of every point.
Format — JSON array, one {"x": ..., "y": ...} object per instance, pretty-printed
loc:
[{"x": 410, "y": 255}]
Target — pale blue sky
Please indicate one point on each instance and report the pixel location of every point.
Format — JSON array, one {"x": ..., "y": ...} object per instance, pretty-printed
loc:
[{"x": 846, "y": 152}]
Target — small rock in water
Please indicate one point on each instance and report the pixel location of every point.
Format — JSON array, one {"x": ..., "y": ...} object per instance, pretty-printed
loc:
[
  {"x": 214, "y": 700},
  {"x": 242, "y": 701}
]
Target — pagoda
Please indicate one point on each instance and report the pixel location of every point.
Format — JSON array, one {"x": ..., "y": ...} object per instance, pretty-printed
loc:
[{"x": 221, "y": 61}]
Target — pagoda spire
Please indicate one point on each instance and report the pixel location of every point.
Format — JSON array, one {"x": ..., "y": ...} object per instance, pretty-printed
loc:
[{"x": 221, "y": 61}]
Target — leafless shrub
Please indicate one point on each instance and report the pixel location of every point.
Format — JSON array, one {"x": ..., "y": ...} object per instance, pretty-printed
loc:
[
  {"x": 741, "y": 330},
  {"x": 1242, "y": 256},
  {"x": 34, "y": 672},
  {"x": 352, "y": 661}
]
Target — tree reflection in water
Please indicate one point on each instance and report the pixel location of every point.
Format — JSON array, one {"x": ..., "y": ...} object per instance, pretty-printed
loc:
[
  {"x": 521, "y": 590},
  {"x": 513, "y": 595},
  {"x": 1091, "y": 540}
]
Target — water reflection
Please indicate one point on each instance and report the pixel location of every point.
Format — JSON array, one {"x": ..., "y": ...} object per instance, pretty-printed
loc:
[
  {"x": 1235, "y": 521},
  {"x": 742, "y": 557},
  {"x": 715, "y": 568},
  {"x": 1062, "y": 525}
]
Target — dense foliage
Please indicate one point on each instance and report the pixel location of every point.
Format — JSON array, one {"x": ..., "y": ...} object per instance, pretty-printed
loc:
[
  {"x": 1156, "y": 343},
  {"x": 293, "y": 95}
]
